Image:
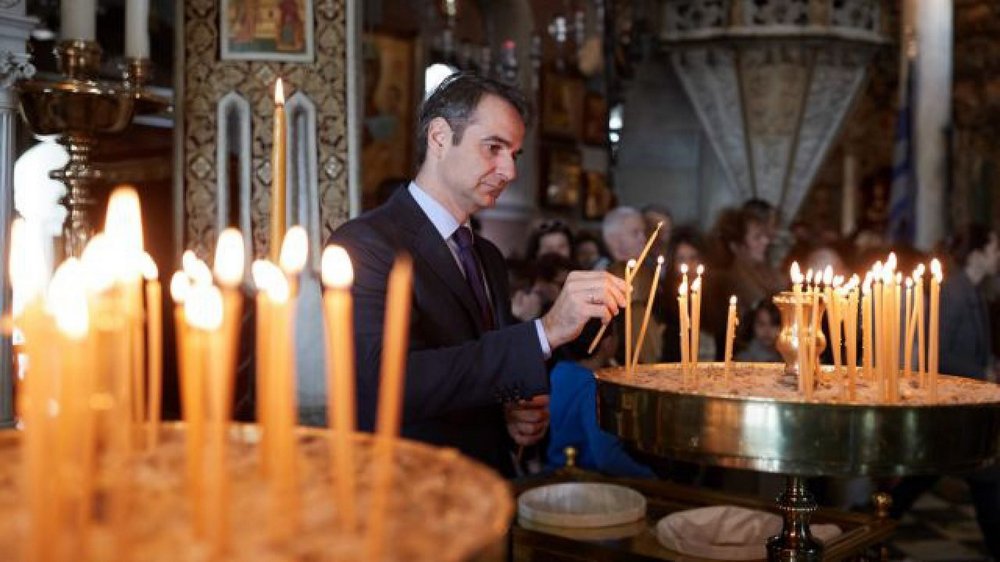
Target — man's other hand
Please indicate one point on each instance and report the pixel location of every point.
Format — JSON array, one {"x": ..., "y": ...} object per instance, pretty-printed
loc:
[{"x": 527, "y": 420}]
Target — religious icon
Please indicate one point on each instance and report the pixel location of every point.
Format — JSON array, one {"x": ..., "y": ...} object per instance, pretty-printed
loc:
[{"x": 266, "y": 30}]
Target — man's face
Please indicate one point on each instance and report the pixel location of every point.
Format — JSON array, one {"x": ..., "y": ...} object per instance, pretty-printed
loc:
[
  {"x": 554, "y": 243},
  {"x": 476, "y": 170}
]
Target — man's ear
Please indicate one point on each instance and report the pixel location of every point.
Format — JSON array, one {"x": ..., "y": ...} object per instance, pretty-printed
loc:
[{"x": 438, "y": 135}]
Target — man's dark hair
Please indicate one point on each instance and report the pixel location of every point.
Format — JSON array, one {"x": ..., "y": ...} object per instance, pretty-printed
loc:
[
  {"x": 456, "y": 98},
  {"x": 552, "y": 226},
  {"x": 967, "y": 240}
]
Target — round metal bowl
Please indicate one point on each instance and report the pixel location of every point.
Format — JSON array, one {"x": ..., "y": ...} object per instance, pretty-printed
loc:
[{"x": 798, "y": 437}]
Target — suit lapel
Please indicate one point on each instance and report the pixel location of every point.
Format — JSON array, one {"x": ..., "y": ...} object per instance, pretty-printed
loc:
[{"x": 428, "y": 246}]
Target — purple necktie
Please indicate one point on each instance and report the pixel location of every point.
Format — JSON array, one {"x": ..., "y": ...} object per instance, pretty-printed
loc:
[{"x": 473, "y": 275}]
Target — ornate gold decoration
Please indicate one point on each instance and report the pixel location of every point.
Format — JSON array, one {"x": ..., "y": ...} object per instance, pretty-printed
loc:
[{"x": 207, "y": 79}]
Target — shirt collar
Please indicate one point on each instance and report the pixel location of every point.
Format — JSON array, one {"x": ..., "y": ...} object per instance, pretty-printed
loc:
[{"x": 443, "y": 221}]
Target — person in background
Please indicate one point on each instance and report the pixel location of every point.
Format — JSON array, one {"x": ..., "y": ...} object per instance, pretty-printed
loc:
[
  {"x": 589, "y": 252},
  {"x": 759, "y": 333},
  {"x": 742, "y": 243},
  {"x": 624, "y": 233},
  {"x": 573, "y": 407},
  {"x": 965, "y": 351},
  {"x": 654, "y": 214},
  {"x": 550, "y": 237}
]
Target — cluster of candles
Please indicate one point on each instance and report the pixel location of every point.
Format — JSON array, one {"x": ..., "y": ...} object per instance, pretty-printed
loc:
[
  {"x": 892, "y": 316},
  {"x": 92, "y": 390}
]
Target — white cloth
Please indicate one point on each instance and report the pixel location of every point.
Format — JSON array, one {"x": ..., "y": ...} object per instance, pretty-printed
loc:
[{"x": 726, "y": 532}]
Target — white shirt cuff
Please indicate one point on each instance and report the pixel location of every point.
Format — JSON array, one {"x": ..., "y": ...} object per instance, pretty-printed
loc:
[{"x": 542, "y": 339}]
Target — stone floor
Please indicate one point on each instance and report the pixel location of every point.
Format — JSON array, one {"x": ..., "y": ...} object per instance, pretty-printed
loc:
[{"x": 940, "y": 527}]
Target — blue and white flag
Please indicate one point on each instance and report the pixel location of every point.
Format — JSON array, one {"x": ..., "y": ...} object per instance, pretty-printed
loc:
[{"x": 903, "y": 193}]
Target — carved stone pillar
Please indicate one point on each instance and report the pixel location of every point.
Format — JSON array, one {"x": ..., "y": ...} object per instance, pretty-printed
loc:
[{"x": 14, "y": 65}]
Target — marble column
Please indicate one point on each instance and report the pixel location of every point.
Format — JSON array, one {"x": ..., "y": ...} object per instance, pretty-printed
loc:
[
  {"x": 14, "y": 65},
  {"x": 932, "y": 116}
]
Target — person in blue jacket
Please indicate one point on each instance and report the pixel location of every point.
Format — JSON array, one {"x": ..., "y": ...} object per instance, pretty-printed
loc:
[{"x": 573, "y": 409}]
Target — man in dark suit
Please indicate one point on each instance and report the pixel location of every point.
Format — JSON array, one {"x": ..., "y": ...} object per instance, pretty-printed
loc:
[{"x": 475, "y": 377}]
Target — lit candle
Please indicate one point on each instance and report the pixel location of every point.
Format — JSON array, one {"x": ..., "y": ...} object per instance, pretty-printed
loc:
[
  {"x": 264, "y": 273},
  {"x": 278, "y": 170},
  {"x": 649, "y": 310},
  {"x": 918, "y": 311},
  {"x": 294, "y": 253},
  {"x": 645, "y": 251},
  {"x": 180, "y": 289},
  {"x": 393, "y": 370},
  {"x": 203, "y": 311},
  {"x": 897, "y": 318},
  {"x": 831, "y": 317},
  {"x": 154, "y": 345},
  {"x": 796, "y": 274},
  {"x": 910, "y": 329},
  {"x": 682, "y": 308},
  {"x": 812, "y": 335},
  {"x": 136, "y": 29},
  {"x": 731, "y": 322},
  {"x": 78, "y": 20},
  {"x": 629, "y": 268},
  {"x": 878, "y": 325},
  {"x": 338, "y": 275},
  {"x": 866, "y": 329},
  {"x": 696, "y": 319},
  {"x": 229, "y": 268},
  {"x": 851, "y": 328},
  {"x": 933, "y": 336}
]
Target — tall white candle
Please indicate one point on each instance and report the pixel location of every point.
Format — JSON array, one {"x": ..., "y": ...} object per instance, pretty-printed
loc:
[
  {"x": 78, "y": 19},
  {"x": 136, "y": 29}
]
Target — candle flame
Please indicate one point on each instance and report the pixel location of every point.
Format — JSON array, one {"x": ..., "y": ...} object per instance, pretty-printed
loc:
[
  {"x": 196, "y": 269},
  {"x": 795, "y": 272},
  {"x": 890, "y": 262},
  {"x": 97, "y": 254},
  {"x": 67, "y": 300},
  {"x": 336, "y": 268},
  {"x": 700, "y": 270},
  {"x": 886, "y": 276},
  {"x": 809, "y": 276},
  {"x": 732, "y": 300},
  {"x": 877, "y": 269},
  {"x": 294, "y": 250},
  {"x": 684, "y": 268},
  {"x": 919, "y": 271},
  {"x": 180, "y": 287},
  {"x": 203, "y": 307},
  {"x": 123, "y": 228},
  {"x": 631, "y": 264},
  {"x": 279, "y": 93},
  {"x": 229, "y": 258},
  {"x": 838, "y": 280},
  {"x": 149, "y": 270},
  {"x": 682, "y": 289},
  {"x": 828, "y": 275},
  {"x": 659, "y": 260},
  {"x": 269, "y": 279},
  {"x": 866, "y": 287},
  {"x": 936, "y": 268},
  {"x": 899, "y": 278},
  {"x": 28, "y": 275},
  {"x": 696, "y": 285},
  {"x": 909, "y": 283}
]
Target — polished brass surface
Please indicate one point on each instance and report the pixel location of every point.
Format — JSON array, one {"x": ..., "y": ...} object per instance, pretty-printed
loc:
[
  {"x": 789, "y": 336},
  {"x": 77, "y": 59},
  {"x": 795, "y": 543},
  {"x": 800, "y": 438},
  {"x": 77, "y": 111}
]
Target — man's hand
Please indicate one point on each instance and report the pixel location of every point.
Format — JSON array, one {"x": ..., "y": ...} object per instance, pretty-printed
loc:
[
  {"x": 527, "y": 420},
  {"x": 585, "y": 295}
]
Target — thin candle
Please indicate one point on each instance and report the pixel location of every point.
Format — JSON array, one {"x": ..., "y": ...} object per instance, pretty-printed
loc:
[
  {"x": 918, "y": 311},
  {"x": 696, "y": 318},
  {"x": 264, "y": 274},
  {"x": 629, "y": 267},
  {"x": 338, "y": 276},
  {"x": 910, "y": 330},
  {"x": 813, "y": 333},
  {"x": 393, "y": 370},
  {"x": 796, "y": 274},
  {"x": 294, "y": 253},
  {"x": 649, "y": 310},
  {"x": 682, "y": 308},
  {"x": 645, "y": 252},
  {"x": 230, "y": 268},
  {"x": 866, "y": 329},
  {"x": 851, "y": 328},
  {"x": 731, "y": 322},
  {"x": 154, "y": 347},
  {"x": 278, "y": 171},
  {"x": 933, "y": 341}
]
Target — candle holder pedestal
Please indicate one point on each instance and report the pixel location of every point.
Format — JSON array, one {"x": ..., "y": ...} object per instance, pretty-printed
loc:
[
  {"x": 78, "y": 107},
  {"x": 792, "y": 335}
]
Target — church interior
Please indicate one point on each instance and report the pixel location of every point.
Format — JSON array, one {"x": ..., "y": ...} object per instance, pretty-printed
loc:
[{"x": 801, "y": 197}]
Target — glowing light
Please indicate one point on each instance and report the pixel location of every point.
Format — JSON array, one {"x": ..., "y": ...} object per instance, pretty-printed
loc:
[
  {"x": 337, "y": 271},
  {"x": 149, "y": 270},
  {"x": 203, "y": 307},
  {"x": 196, "y": 270},
  {"x": 294, "y": 250},
  {"x": 229, "y": 258},
  {"x": 67, "y": 300},
  {"x": 180, "y": 287},
  {"x": 279, "y": 93}
]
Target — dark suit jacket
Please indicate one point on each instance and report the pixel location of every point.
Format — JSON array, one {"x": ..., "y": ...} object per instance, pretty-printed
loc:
[
  {"x": 965, "y": 328},
  {"x": 458, "y": 374}
]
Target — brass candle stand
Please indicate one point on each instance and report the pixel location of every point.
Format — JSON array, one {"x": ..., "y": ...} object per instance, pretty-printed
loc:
[
  {"x": 791, "y": 334},
  {"x": 77, "y": 107}
]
